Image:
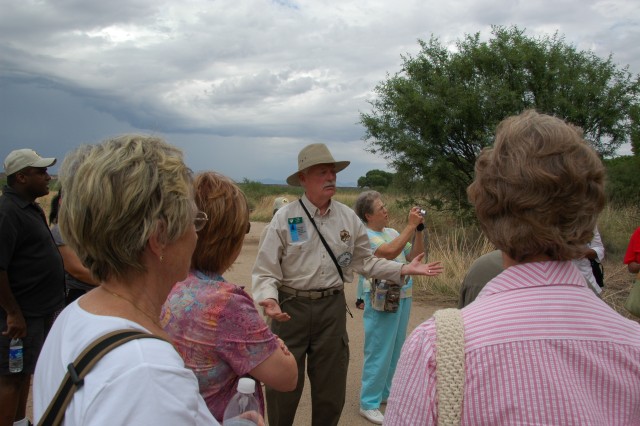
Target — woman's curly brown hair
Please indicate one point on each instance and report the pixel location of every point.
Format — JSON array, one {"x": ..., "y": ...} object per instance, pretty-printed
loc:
[{"x": 539, "y": 189}]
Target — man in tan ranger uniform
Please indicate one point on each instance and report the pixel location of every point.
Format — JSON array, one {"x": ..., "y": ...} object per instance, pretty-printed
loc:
[{"x": 299, "y": 286}]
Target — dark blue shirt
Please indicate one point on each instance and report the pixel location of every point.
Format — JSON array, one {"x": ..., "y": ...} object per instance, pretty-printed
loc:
[{"x": 29, "y": 256}]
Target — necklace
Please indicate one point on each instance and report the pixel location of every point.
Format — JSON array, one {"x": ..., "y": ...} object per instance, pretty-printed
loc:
[{"x": 154, "y": 321}]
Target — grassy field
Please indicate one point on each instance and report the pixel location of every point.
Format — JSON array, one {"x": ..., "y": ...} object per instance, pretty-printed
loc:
[{"x": 458, "y": 245}]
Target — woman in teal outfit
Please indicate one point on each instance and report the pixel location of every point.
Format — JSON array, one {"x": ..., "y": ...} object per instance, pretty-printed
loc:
[{"x": 385, "y": 332}]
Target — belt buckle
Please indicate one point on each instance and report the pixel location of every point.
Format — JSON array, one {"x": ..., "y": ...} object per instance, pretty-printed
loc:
[{"x": 314, "y": 295}]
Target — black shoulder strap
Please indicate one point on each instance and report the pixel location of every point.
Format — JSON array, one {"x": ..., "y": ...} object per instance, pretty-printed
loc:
[
  {"x": 77, "y": 370},
  {"x": 333, "y": 257}
]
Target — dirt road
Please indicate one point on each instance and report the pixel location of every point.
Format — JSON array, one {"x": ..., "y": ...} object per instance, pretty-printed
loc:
[{"x": 240, "y": 274}]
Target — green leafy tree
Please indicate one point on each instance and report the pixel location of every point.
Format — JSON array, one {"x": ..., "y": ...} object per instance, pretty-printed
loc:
[
  {"x": 622, "y": 180},
  {"x": 375, "y": 179},
  {"x": 431, "y": 119}
]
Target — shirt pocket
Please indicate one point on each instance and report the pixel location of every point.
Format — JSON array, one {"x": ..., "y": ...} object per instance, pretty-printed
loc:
[
  {"x": 300, "y": 259},
  {"x": 298, "y": 248}
]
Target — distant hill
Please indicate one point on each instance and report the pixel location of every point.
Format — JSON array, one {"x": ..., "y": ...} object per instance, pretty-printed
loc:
[
  {"x": 282, "y": 182},
  {"x": 273, "y": 181}
]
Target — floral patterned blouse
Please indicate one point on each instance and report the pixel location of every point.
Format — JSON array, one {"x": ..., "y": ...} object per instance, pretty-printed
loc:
[{"x": 220, "y": 335}]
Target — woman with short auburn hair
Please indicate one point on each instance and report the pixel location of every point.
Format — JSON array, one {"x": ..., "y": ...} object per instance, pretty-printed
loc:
[
  {"x": 128, "y": 212},
  {"x": 223, "y": 234},
  {"x": 537, "y": 346},
  {"x": 213, "y": 323}
]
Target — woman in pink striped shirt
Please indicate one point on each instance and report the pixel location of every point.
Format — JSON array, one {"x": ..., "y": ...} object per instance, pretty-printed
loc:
[{"x": 540, "y": 348}]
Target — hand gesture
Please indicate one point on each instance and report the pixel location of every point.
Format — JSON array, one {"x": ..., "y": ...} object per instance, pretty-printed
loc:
[
  {"x": 434, "y": 268},
  {"x": 416, "y": 267},
  {"x": 272, "y": 310}
]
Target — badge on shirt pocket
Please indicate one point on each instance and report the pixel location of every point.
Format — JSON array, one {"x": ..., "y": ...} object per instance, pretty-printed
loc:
[{"x": 297, "y": 230}]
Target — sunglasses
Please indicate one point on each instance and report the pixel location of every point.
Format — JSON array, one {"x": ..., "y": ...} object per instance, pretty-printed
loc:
[{"x": 200, "y": 220}]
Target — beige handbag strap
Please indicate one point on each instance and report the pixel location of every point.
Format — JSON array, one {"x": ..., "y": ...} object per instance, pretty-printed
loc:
[{"x": 449, "y": 365}]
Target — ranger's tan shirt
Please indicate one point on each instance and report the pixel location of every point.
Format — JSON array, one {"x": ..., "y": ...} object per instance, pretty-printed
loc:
[{"x": 293, "y": 255}]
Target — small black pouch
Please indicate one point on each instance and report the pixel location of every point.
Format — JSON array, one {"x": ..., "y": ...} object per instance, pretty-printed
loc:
[{"x": 598, "y": 271}]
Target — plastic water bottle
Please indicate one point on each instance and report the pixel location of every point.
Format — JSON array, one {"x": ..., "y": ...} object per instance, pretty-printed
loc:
[
  {"x": 15, "y": 356},
  {"x": 379, "y": 295},
  {"x": 243, "y": 401}
]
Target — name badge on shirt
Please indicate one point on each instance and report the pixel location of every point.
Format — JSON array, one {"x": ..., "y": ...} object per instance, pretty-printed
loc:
[{"x": 297, "y": 229}]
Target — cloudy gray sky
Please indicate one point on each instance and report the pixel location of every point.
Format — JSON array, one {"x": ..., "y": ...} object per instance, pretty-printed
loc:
[{"x": 242, "y": 85}]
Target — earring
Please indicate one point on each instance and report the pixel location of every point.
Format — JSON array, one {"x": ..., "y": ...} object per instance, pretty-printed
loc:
[{"x": 161, "y": 258}]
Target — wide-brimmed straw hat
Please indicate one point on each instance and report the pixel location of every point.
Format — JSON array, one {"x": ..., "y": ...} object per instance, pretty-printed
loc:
[{"x": 311, "y": 155}]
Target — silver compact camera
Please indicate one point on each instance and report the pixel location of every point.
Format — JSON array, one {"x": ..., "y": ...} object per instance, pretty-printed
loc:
[{"x": 422, "y": 212}]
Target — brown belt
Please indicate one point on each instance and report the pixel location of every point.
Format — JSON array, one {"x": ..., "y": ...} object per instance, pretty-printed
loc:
[{"x": 312, "y": 294}]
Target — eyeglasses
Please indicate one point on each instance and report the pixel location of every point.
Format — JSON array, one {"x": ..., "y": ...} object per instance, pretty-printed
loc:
[{"x": 200, "y": 220}]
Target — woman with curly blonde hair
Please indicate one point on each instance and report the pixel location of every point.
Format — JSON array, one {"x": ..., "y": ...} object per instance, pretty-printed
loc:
[{"x": 128, "y": 213}]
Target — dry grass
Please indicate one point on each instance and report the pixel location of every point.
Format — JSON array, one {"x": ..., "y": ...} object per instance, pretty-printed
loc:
[
  {"x": 616, "y": 224},
  {"x": 458, "y": 246},
  {"x": 456, "y": 249},
  {"x": 263, "y": 208},
  {"x": 618, "y": 282},
  {"x": 458, "y": 252},
  {"x": 45, "y": 202}
]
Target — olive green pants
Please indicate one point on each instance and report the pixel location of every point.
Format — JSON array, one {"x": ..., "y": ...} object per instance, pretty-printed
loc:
[{"x": 316, "y": 335}]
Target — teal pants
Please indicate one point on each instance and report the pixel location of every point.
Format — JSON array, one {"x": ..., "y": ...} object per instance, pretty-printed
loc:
[{"x": 384, "y": 335}]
